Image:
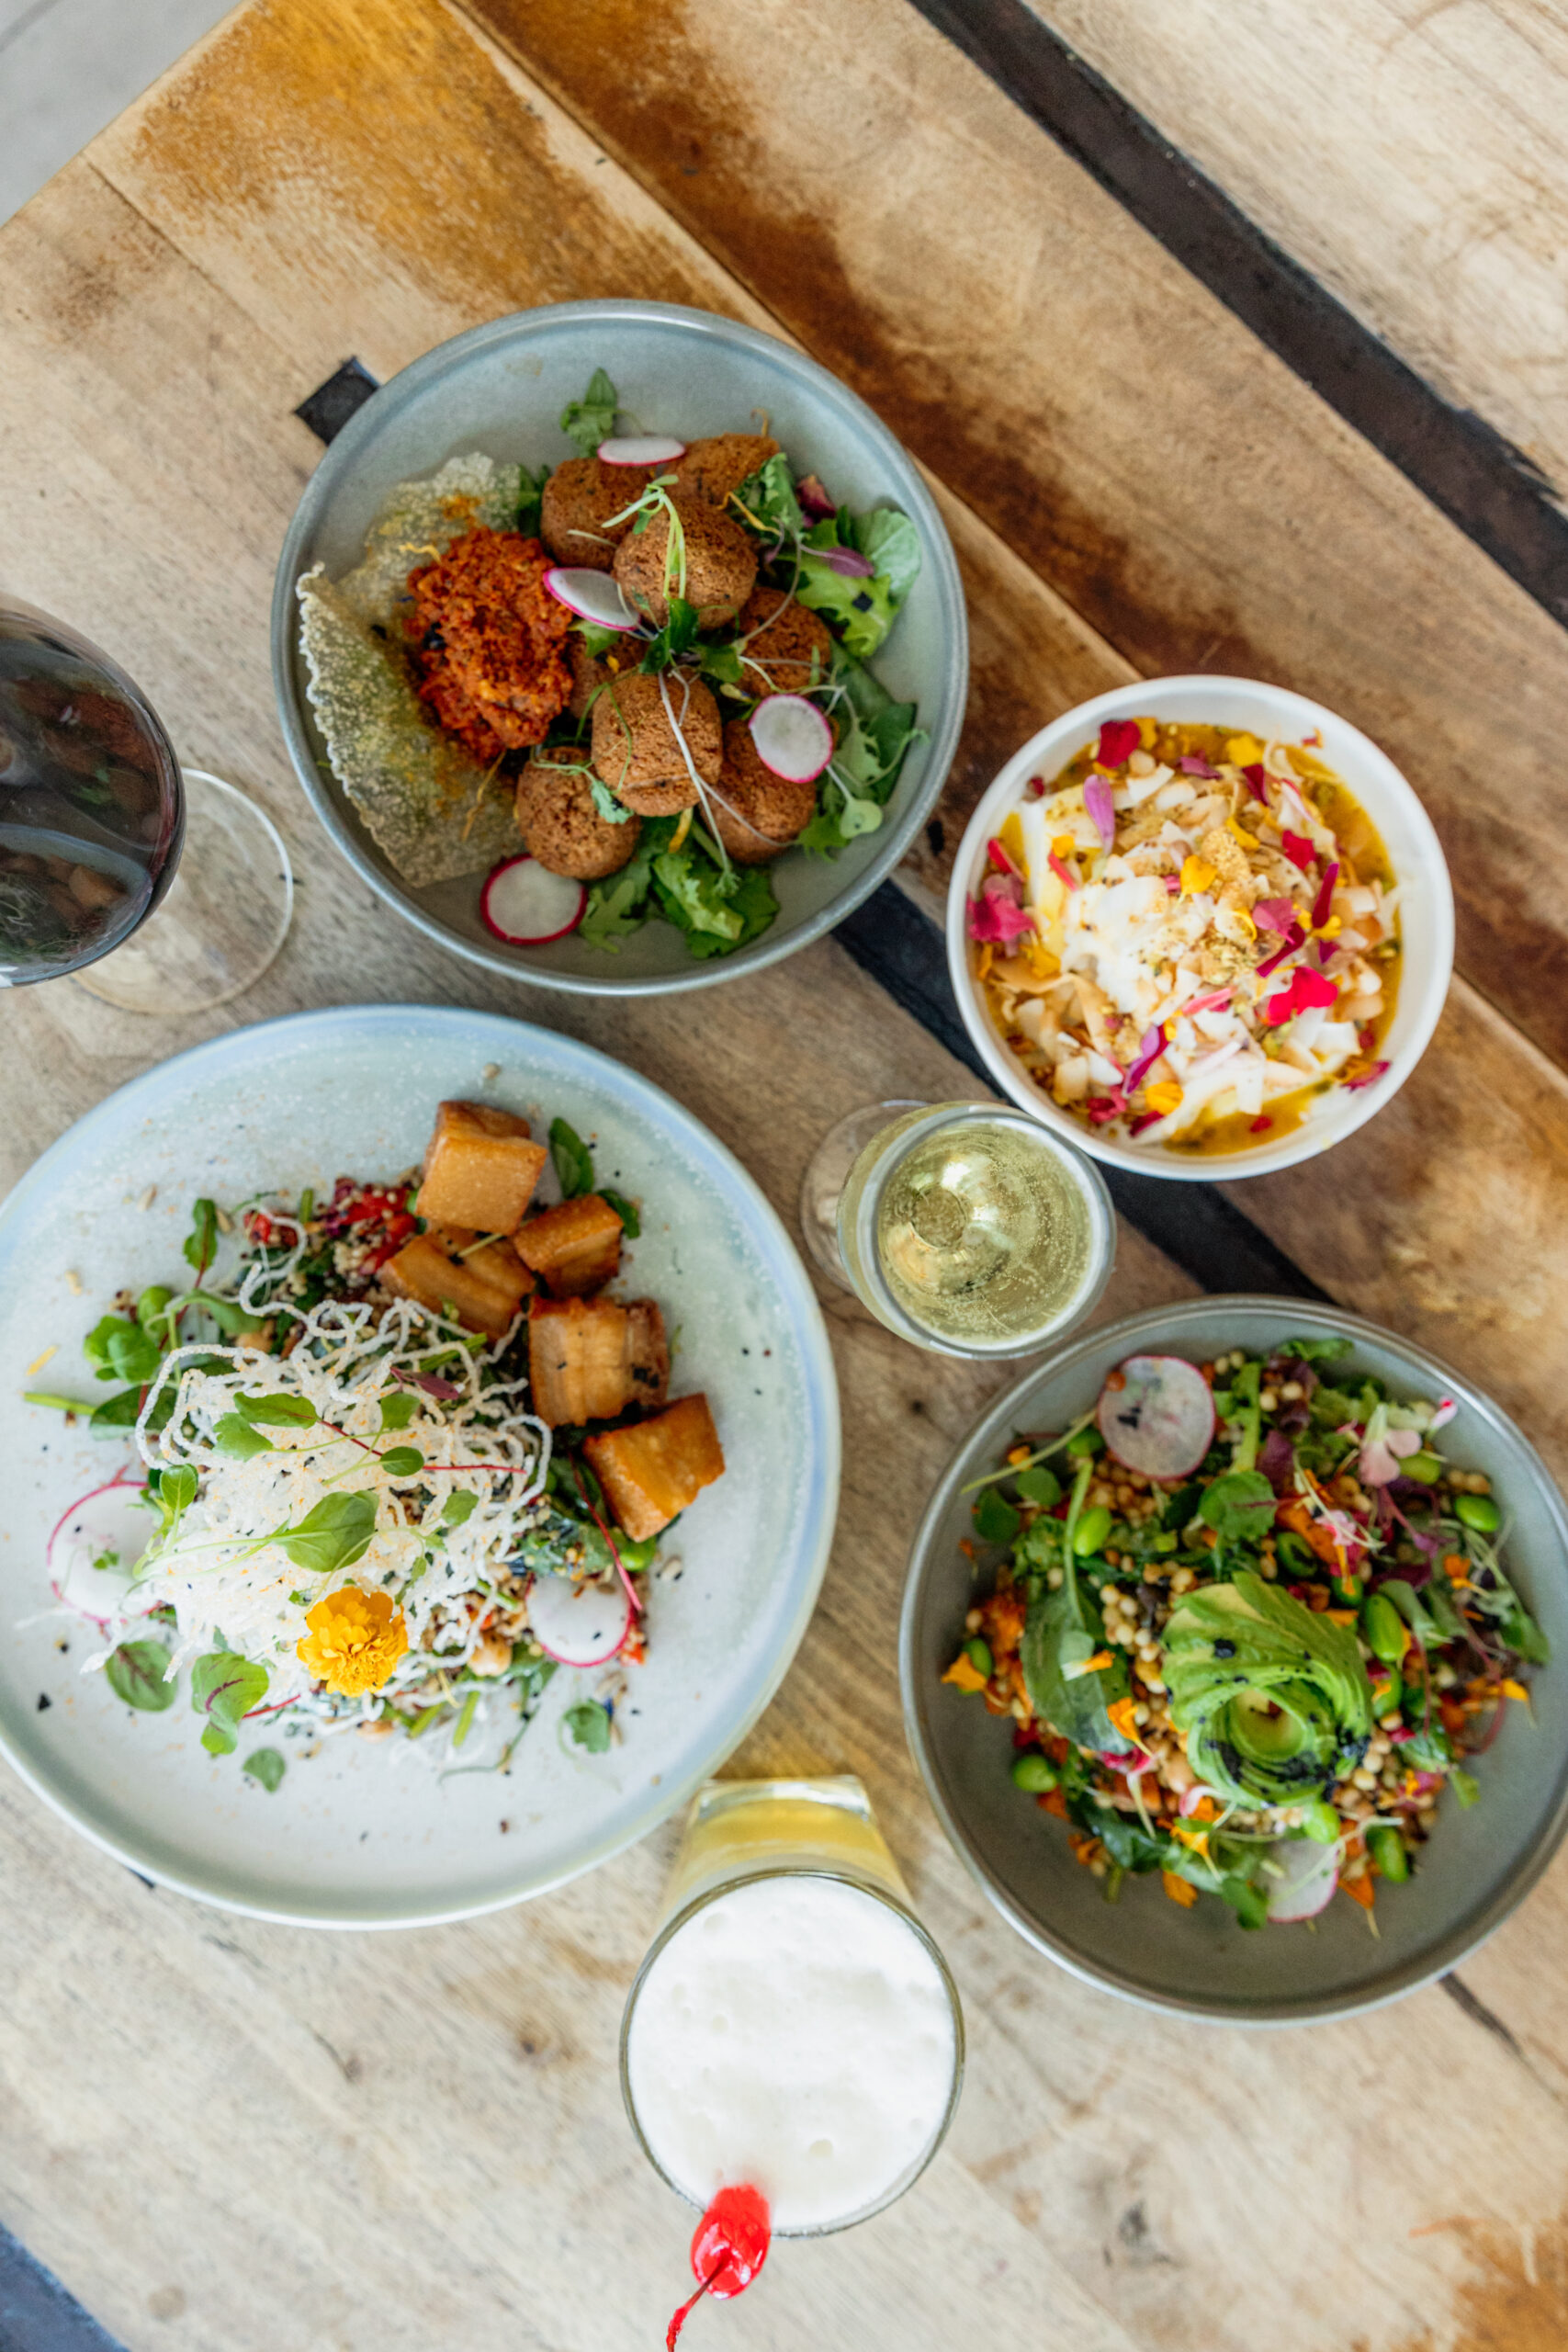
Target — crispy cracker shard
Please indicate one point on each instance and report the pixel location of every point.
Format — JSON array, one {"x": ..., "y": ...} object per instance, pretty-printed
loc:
[{"x": 428, "y": 807}]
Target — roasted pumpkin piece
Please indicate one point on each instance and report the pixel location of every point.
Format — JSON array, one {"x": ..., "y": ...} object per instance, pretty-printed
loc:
[
  {"x": 575, "y": 1248},
  {"x": 590, "y": 1358},
  {"x": 482, "y": 1290},
  {"x": 656, "y": 1468},
  {"x": 480, "y": 1168}
]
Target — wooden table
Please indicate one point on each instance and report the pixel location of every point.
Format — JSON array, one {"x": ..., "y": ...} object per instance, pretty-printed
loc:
[{"x": 224, "y": 2135}]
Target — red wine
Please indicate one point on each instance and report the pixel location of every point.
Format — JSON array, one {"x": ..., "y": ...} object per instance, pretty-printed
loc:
[{"x": 91, "y": 810}]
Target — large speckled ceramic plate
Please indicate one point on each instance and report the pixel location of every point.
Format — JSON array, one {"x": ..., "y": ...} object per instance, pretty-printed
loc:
[{"x": 361, "y": 1835}]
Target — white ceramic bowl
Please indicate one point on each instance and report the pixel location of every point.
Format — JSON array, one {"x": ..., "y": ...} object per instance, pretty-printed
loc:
[{"x": 1426, "y": 910}]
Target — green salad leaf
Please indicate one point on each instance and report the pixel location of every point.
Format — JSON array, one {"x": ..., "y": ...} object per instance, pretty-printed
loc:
[
  {"x": 530, "y": 492},
  {"x": 335, "y": 1533},
  {"x": 1239, "y": 1506},
  {"x": 631, "y": 1224},
  {"x": 138, "y": 1672},
  {"x": 587, "y": 1725},
  {"x": 224, "y": 1687},
  {"x": 266, "y": 1765},
  {"x": 122, "y": 1350},
  {"x": 591, "y": 419},
  {"x": 768, "y": 499},
  {"x": 574, "y": 1160},
  {"x": 201, "y": 1242}
]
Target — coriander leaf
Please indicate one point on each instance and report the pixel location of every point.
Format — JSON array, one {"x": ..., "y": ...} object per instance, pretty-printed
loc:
[
  {"x": 277, "y": 1412},
  {"x": 630, "y": 1221},
  {"x": 266, "y": 1765},
  {"x": 677, "y": 636},
  {"x": 335, "y": 1533},
  {"x": 138, "y": 1672},
  {"x": 614, "y": 811},
  {"x": 202, "y": 1241},
  {"x": 530, "y": 489},
  {"x": 574, "y": 1160},
  {"x": 397, "y": 1411},
  {"x": 996, "y": 1522},
  {"x": 591, "y": 419},
  {"x": 403, "y": 1461},
  {"x": 1239, "y": 1506},
  {"x": 768, "y": 500},
  {"x": 460, "y": 1505},
  {"x": 224, "y": 1687},
  {"x": 588, "y": 1726}
]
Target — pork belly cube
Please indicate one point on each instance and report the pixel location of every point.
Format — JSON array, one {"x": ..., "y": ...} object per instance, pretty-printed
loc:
[
  {"x": 589, "y": 1359},
  {"x": 483, "y": 1292},
  {"x": 656, "y": 1468},
  {"x": 480, "y": 1168},
  {"x": 575, "y": 1248}
]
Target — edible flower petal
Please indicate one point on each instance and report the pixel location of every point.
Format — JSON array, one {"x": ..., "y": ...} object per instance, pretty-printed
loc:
[
  {"x": 1151, "y": 1045},
  {"x": 1064, "y": 874},
  {"x": 1254, "y": 777},
  {"x": 1363, "y": 1077},
  {"x": 1102, "y": 815},
  {"x": 1274, "y": 914},
  {"x": 1305, "y": 990},
  {"x": 1196, "y": 876},
  {"x": 1298, "y": 849},
  {"x": 1164, "y": 1097},
  {"x": 1244, "y": 752},
  {"x": 355, "y": 1638},
  {"x": 996, "y": 915},
  {"x": 1190, "y": 764},
  {"x": 1325, "y": 896},
  {"x": 1119, "y": 738}
]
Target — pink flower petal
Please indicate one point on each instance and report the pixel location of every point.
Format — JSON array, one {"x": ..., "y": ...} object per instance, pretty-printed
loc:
[
  {"x": 1299, "y": 850},
  {"x": 1190, "y": 764},
  {"x": 1314, "y": 988},
  {"x": 1254, "y": 779},
  {"x": 1364, "y": 1078},
  {"x": 1322, "y": 903},
  {"x": 1119, "y": 738},
  {"x": 1101, "y": 814},
  {"x": 1403, "y": 1443},
  {"x": 1000, "y": 858},
  {"x": 1064, "y": 874},
  {"x": 1274, "y": 914}
]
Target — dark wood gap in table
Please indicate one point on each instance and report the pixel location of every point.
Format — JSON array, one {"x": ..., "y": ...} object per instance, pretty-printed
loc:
[{"x": 1479, "y": 480}]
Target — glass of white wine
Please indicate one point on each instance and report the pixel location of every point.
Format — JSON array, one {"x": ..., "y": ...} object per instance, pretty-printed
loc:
[{"x": 965, "y": 1228}]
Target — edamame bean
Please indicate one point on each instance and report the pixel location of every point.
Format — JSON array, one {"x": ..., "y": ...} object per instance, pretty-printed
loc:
[
  {"x": 1425, "y": 1466},
  {"x": 1091, "y": 1531},
  {"x": 1034, "y": 1772},
  {"x": 1383, "y": 1629},
  {"x": 978, "y": 1650},
  {"x": 1386, "y": 1847},
  {"x": 1478, "y": 1511}
]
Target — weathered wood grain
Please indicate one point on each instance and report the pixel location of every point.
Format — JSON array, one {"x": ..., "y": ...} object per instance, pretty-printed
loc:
[
  {"x": 1414, "y": 159},
  {"x": 230, "y": 2136},
  {"x": 1187, "y": 494}
]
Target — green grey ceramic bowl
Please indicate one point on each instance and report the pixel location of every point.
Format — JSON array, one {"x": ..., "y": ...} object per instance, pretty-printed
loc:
[
  {"x": 1478, "y": 1865},
  {"x": 500, "y": 389}
]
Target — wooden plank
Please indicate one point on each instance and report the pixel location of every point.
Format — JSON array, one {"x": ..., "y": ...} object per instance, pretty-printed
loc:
[
  {"x": 1190, "y": 497},
  {"x": 1414, "y": 159},
  {"x": 457, "y": 2171}
]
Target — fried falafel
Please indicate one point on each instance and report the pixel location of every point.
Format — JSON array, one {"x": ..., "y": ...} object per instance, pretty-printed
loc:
[
  {"x": 640, "y": 724},
  {"x": 785, "y": 649},
  {"x": 559, "y": 822},
  {"x": 577, "y": 505},
  {"x": 716, "y": 556},
  {"x": 590, "y": 670},
  {"x": 712, "y": 468},
  {"x": 756, "y": 813}
]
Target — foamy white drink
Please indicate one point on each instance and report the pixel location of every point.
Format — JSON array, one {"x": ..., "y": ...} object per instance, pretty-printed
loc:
[{"x": 795, "y": 2034}]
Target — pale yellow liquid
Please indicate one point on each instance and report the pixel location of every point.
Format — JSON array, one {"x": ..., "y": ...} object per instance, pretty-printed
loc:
[
  {"x": 982, "y": 1235},
  {"x": 736, "y": 1827}
]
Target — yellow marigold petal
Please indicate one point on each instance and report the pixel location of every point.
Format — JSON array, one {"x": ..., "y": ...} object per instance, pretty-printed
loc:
[
  {"x": 965, "y": 1673},
  {"x": 1195, "y": 877},
  {"x": 1244, "y": 751},
  {"x": 1164, "y": 1096},
  {"x": 1148, "y": 730},
  {"x": 353, "y": 1641},
  {"x": 1512, "y": 1690},
  {"x": 1180, "y": 1890}
]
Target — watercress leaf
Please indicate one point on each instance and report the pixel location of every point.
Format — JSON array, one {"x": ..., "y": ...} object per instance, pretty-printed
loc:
[
  {"x": 403, "y": 1461},
  {"x": 591, "y": 419},
  {"x": 588, "y": 1726},
  {"x": 397, "y": 1411},
  {"x": 277, "y": 1412},
  {"x": 996, "y": 1522},
  {"x": 266, "y": 1765},
  {"x": 460, "y": 1505},
  {"x": 202, "y": 1241},
  {"x": 138, "y": 1673},
  {"x": 234, "y": 1436},
  {"x": 1041, "y": 1486},
  {"x": 630, "y": 1222},
  {"x": 119, "y": 1412},
  {"x": 1239, "y": 1506},
  {"x": 333, "y": 1535},
  {"x": 574, "y": 1160},
  {"x": 224, "y": 1687}
]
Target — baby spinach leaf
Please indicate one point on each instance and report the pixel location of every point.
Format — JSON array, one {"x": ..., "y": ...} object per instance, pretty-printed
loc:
[
  {"x": 138, "y": 1673},
  {"x": 996, "y": 1520},
  {"x": 1239, "y": 1506},
  {"x": 460, "y": 1505},
  {"x": 1525, "y": 1639},
  {"x": 403, "y": 1461},
  {"x": 1040, "y": 1486},
  {"x": 278, "y": 1412},
  {"x": 591, "y": 419},
  {"x": 1062, "y": 1630},
  {"x": 266, "y": 1765},
  {"x": 397, "y": 1411},
  {"x": 122, "y": 1350},
  {"x": 587, "y": 1725},
  {"x": 119, "y": 1412},
  {"x": 333, "y": 1535},
  {"x": 631, "y": 1223},
  {"x": 224, "y": 1687},
  {"x": 574, "y": 1161}
]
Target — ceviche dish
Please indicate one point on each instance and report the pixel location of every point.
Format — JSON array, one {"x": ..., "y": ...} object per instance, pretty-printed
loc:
[
  {"x": 398, "y": 1454},
  {"x": 616, "y": 691},
  {"x": 1250, "y": 1624},
  {"x": 1189, "y": 934}
]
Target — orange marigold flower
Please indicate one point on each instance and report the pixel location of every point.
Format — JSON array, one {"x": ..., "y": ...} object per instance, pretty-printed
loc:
[{"x": 356, "y": 1639}]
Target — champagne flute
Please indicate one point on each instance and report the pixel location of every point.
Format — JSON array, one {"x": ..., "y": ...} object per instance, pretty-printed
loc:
[
  {"x": 160, "y": 889},
  {"x": 965, "y": 1228}
]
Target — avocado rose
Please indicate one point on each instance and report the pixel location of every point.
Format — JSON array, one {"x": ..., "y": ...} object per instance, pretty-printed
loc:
[{"x": 1274, "y": 1699}]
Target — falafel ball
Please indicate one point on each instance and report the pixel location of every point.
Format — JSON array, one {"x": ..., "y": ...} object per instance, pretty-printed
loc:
[
  {"x": 787, "y": 649},
  {"x": 560, "y": 823},
  {"x": 756, "y": 813},
  {"x": 636, "y": 749},
  {"x": 577, "y": 503},
  {"x": 712, "y": 469},
  {"x": 720, "y": 564},
  {"x": 589, "y": 671}
]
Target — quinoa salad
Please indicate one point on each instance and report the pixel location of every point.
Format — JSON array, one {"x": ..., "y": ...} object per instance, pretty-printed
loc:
[
  {"x": 1249, "y": 1623},
  {"x": 1188, "y": 935},
  {"x": 399, "y": 1454},
  {"x": 624, "y": 684}
]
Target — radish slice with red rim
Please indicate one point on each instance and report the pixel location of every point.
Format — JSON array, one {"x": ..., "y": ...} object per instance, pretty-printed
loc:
[
  {"x": 110, "y": 1518},
  {"x": 526, "y": 904},
  {"x": 641, "y": 449},
  {"x": 1310, "y": 1873},
  {"x": 577, "y": 1624},
  {"x": 1156, "y": 1414},
  {"x": 793, "y": 737},
  {"x": 591, "y": 595}
]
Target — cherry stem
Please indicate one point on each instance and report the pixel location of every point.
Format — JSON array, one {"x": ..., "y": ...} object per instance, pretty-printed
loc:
[{"x": 679, "y": 2321}]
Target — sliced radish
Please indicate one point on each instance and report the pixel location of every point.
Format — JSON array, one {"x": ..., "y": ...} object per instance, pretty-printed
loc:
[
  {"x": 641, "y": 449},
  {"x": 1311, "y": 1874},
  {"x": 526, "y": 904},
  {"x": 1156, "y": 1414},
  {"x": 577, "y": 1624},
  {"x": 108, "y": 1519},
  {"x": 793, "y": 737},
  {"x": 591, "y": 595}
]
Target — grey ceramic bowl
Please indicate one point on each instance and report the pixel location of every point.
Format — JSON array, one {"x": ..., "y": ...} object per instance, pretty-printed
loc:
[
  {"x": 1478, "y": 1865},
  {"x": 500, "y": 389}
]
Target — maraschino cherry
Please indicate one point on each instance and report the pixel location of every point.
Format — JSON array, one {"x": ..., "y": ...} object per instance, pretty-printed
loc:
[{"x": 729, "y": 2249}]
